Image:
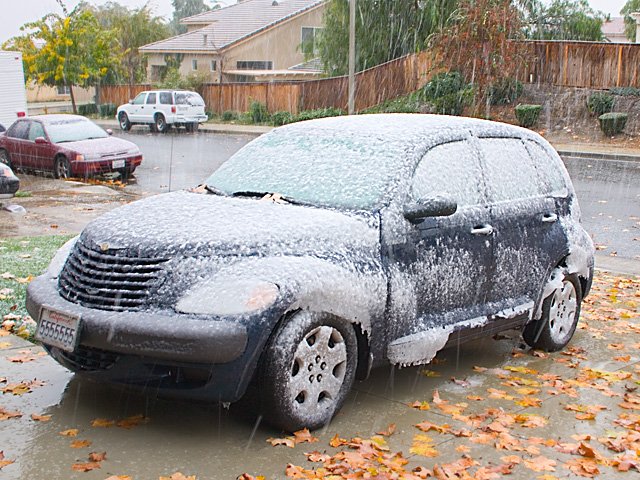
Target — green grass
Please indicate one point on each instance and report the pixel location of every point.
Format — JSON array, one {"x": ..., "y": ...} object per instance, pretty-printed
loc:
[
  {"x": 22, "y": 259},
  {"x": 22, "y": 194}
]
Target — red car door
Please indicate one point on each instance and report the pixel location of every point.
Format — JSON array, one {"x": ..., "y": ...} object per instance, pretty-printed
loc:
[
  {"x": 16, "y": 138},
  {"x": 40, "y": 151}
]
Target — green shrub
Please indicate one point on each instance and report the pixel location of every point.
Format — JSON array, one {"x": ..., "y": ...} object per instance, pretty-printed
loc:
[
  {"x": 527, "y": 115},
  {"x": 600, "y": 103},
  {"x": 318, "y": 113},
  {"x": 107, "y": 110},
  {"x": 258, "y": 111},
  {"x": 625, "y": 91},
  {"x": 88, "y": 109},
  {"x": 448, "y": 93},
  {"x": 613, "y": 123},
  {"x": 281, "y": 118},
  {"x": 505, "y": 91},
  {"x": 229, "y": 115}
]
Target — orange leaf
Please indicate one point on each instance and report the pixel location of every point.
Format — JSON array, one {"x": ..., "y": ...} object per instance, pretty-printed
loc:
[
  {"x": 80, "y": 443},
  {"x": 420, "y": 405},
  {"x": 97, "y": 457},
  {"x": 287, "y": 441},
  {"x": 302, "y": 436},
  {"x": 85, "y": 467},
  {"x": 389, "y": 431},
  {"x": 541, "y": 464},
  {"x": 423, "y": 445},
  {"x": 72, "y": 432},
  {"x": 102, "y": 422},
  {"x": 40, "y": 418}
]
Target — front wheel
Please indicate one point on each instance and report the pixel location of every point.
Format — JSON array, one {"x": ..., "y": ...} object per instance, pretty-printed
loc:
[
  {"x": 123, "y": 120},
  {"x": 61, "y": 167},
  {"x": 560, "y": 314},
  {"x": 192, "y": 127},
  {"x": 160, "y": 124},
  {"x": 307, "y": 370}
]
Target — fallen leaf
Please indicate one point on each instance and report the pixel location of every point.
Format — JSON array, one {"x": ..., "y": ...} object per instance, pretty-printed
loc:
[
  {"x": 302, "y": 436},
  {"x": 287, "y": 441},
  {"x": 40, "y": 418},
  {"x": 132, "y": 421},
  {"x": 102, "y": 423},
  {"x": 423, "y": 445},
  {"x": 3, "y": 462},
  {"x": 72, "y": 432},
  {"x": 97, "y": 456},
  {"x": 389, "y": 431},
  {"x": 6, "y": 414},
  {"x": 420, "y": 405},
  {"x": 85, "y": 467},
  {"x": 80, "y": 443},
  {"x": 179, "y": 476},
  {"x": 541, "y": 464}
]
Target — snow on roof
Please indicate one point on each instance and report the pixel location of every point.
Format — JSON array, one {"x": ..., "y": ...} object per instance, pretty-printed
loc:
[
  {"x": 228, "y": 25},
  {"x": 615, "y": 25}
]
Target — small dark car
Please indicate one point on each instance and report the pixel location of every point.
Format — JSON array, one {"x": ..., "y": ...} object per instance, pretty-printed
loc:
[
  {"x": 68, "y": 146},
  {"x": 9, "y": 183},
  {"x": 317, "y": 251}
]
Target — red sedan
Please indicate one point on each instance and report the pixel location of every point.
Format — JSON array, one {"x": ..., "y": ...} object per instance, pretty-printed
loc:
[{"x": 68, "y": 146}]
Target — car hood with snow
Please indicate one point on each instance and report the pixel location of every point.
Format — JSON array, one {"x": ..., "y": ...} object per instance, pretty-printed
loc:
[{"x": 101, "y": 147}]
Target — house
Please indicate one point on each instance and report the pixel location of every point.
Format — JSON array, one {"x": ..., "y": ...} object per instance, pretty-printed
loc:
[
  {"x": 252, "y": 40},
  {"x": 613, "y": 30}
]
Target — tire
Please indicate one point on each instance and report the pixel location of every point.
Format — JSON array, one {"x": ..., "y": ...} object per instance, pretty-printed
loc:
[
  {"x": 125, "y": 173},
  {"x": 4, "y": 158},
  {"x": 160, "y": 123},
  {"x": 307, "y": 370},
  {"x": 123, "y": 119},
  {"x": 192, "y": 127},
  {"x": 560, "y": 315},
  {"x": 61, "y": 167}
]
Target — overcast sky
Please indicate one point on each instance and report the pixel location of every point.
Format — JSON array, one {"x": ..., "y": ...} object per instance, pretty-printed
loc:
[{"x": 18, "y": 12}]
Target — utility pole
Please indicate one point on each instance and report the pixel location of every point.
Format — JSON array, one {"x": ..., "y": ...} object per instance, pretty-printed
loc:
[{"x": 352, "y": 56}]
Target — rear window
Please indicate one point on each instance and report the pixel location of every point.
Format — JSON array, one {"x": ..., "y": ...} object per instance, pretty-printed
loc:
[
  {"x": 550, "y": 170},
  {"x": 19, "y": 130},
  {"x": 165, "y": 98},
  {"x": 189, "y": 98}
]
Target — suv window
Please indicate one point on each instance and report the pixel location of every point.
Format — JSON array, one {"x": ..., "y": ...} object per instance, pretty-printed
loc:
[
  {"x": 450, "y": 169},
  {"x": 139, "y": 100},
  {"x": 151, "y": 99},
  {"x": 36, "y": 130},
  {"x": 549, "y": 172},
  {"x": 166, "y": 98},
  {"x": 509, "y": 172},
  {"x": 19, "y": 130},
  {"x": 189, "y": 98}
]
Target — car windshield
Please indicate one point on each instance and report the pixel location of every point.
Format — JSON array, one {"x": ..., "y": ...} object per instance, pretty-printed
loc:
[
  {"x": 189, "y": 98},
  {"x": 74, "y": 130},
  {"x": 324, "y": 168}
]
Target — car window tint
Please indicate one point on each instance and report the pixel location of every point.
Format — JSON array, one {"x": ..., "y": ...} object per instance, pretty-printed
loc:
[
  {"x": 151, "y": 99},
  {"x": 550, "y": 170},
  {"x": 509, "y": 171},
  {"x": 139, "y": 100},
  {"x": 36, "y": 130},
  {"x": 165, "y": 98},
  {"x": 19, "y": 130},
  {"x": 452, "y": 170}
]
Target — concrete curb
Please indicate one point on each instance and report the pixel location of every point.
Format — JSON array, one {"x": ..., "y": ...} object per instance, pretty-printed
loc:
[
  {"x": 619, "y": 265},
  {"x": 599, "y": 156},
  {"x": 220, "y": 128}
]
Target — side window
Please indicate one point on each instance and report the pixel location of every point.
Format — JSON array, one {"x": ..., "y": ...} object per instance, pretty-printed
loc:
[
  {"x": 550, "y": 170},
  {"x": 509, "y": 172},
  {"x": 151, "y": 99},
  {"x": 165, "y": 98},
  {"x": 19, "y": 130},
  {"x": 139, "y": 100},
  {"x": 451, "y": 169},
  {"x": 36, "y": 130}
]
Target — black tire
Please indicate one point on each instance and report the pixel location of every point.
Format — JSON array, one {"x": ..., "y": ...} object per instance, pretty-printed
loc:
[
  {"x": 307, "y": 370},
  {"x": 192, "y": 127},
  {"x": 123, "y": 120},
  {"x": 61, "y": 167},
  {"x": 125, "y": 173},
  {"x": 5, "y": 158},
  {"x": 560, "y": 315},
  {"x": 160, "y": 123}
]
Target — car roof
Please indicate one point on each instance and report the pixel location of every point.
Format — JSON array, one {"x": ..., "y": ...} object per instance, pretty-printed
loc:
[
  {"x": 418, "y": 130},
  {"x": 58, "y": 118}
]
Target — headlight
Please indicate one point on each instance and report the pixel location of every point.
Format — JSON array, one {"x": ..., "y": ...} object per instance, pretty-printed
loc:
[
  {"x": 230, "y": 297},
  {"x": 59, "y": 259}
]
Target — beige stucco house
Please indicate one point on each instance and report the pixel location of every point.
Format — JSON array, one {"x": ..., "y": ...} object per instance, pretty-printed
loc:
[{"x": 252, "y": 40}]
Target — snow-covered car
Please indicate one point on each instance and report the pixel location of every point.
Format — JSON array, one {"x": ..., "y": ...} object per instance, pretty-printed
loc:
[
  {"x": 67, "y": 146},
  {"x": 9, "y": 183},
  {"x": 318, "y": 251},
  {"x": 163, "y": 109}
]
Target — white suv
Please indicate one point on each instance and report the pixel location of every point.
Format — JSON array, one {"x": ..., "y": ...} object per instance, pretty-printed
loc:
[{"x": 161, "y": 109}]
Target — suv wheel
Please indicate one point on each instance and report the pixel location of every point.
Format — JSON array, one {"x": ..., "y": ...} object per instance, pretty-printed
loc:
[
  {"x": 123, "y": 119},
  {"x": 308, "y": 368},
  {"x": 160, "y": 123},
  {"x": 61, "y": 167},
  {"x": 560, "y": 314},
  {"x": 192, "y": 127}
]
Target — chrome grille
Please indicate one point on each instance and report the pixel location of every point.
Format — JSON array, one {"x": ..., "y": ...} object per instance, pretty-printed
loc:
[{"x": 110, "y": 280}]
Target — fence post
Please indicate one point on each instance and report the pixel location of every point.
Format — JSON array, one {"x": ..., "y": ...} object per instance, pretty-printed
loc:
[{"x": 619, "y": 79}]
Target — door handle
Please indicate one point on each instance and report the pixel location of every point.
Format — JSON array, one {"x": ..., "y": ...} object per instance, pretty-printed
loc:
[
  {"x": 482, "y": 230},
  {"x": 549, "y": 218}
]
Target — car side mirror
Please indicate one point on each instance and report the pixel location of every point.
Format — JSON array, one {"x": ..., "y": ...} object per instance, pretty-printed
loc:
[
  {"x": 430, "y": 207},
  {"x": 41, "y": 141},
  {"x": 109, "y": 131}
]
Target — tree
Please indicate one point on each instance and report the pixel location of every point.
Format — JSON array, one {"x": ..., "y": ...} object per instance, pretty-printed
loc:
[
  {"x": 385, "y": 30},
  {"x": 66, "y": 50},
  {"x": 564, "y": 20},
  {"x": 187, "y": 8},
  {"x": 478, "y": 44},
  {"x": 630, "y": 24},
  {"x": 132, "y": 28}
]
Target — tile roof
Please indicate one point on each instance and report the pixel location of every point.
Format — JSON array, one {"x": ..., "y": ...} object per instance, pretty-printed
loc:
[
  {"x": 228, "y": 25},
  {"x": 616, "y": 25}
]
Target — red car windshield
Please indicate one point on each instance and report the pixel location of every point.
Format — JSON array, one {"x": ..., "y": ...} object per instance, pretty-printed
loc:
[{"x": 74, "y": 131}]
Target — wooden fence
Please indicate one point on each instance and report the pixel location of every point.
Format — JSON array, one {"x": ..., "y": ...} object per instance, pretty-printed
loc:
[{"x": 567, "y": 64}]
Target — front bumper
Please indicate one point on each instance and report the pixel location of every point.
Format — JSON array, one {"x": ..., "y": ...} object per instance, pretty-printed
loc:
[
  {"x": 93, "y": 167},
  {"x": 161, "y": 335}
]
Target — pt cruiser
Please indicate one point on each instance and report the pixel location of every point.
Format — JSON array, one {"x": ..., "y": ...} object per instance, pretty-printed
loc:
[{"x": 318, "y": 251}]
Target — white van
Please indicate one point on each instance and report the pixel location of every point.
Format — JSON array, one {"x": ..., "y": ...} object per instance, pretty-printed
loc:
[
  {"x": 13, "y": 95},
  {"x": 162, "y": 109}
]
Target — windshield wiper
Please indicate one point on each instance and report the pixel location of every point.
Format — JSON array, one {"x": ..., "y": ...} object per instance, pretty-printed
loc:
[
  {"x": 215, "y": 190},
  {"x": 273, "y": 196}
]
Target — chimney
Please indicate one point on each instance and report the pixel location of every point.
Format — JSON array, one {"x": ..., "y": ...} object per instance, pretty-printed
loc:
[{"x": 204, "y": 39}]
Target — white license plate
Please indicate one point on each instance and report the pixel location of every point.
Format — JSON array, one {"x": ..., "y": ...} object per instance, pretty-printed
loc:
[
  {"x": 118, "y": 164},
  {"x": 58, "y": 329}
]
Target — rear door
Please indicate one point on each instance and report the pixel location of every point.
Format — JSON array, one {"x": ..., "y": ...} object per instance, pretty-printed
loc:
[{"x": 17, "y": 138}]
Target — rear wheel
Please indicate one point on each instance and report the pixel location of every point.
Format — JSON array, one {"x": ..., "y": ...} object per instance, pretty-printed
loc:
[
  {"x": 192, "y": 126},
  {"x": 61, "y": 167},
  {"x": 160, "y": 123},
  {"x": 307, "y": 370},
  {"x": 560, "y": 314},
  {"x": 123, "y": 119},
  {"x": 4, "y": 158}
]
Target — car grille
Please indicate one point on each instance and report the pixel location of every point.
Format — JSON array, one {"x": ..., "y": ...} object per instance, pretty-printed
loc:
[
  {"x": 85, "y": 358},
  {"x": 109, "y": 280}
]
